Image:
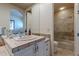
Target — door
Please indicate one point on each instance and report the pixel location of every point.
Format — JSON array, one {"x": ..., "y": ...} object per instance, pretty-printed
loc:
[{"x": 76, "y": 28}]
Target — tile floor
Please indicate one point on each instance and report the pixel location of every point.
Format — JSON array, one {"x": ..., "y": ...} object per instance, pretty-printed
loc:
[
  {"x": 63, "y": 52},
  {"x": 3, "y": 51}
]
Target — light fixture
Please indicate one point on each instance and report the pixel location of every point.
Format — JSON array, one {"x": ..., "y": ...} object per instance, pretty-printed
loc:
[{"x": 62, "y": 8}]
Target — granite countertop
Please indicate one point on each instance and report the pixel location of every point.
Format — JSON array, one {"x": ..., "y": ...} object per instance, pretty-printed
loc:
[{"x": 21, "y": 43}]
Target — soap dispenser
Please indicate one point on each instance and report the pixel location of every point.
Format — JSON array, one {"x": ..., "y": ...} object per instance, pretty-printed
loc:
[
  {"x": 25, "y": 31},
  {"x": 29, "y": 32}
]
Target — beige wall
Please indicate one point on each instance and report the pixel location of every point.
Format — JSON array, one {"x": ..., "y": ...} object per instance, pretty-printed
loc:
[
  {"x": 64, "y": 25},
  {"x": 5, "y": 14},
  {"x": 63, "y": 20}
]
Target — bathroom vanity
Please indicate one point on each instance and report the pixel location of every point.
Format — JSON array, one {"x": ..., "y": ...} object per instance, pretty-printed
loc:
[{"x": 29, "y": 45}]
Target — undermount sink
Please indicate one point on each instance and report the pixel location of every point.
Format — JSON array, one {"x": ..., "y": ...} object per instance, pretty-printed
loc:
[{"x": 22, "y": 38}]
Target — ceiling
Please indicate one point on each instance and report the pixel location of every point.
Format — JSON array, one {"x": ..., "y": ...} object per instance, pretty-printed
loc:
[
  {"x": 23, "y": 5},
  {"x": 57, "y": 6}
]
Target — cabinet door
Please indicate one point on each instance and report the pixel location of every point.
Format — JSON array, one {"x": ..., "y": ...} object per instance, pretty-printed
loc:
[
  {"x": 40, "y": 47},
  {"x": 35, "y": 19},
  {"x": 28, "y": 51},
  {"x": 45, "y": 18},
  {"x": 47, "y": 48}
]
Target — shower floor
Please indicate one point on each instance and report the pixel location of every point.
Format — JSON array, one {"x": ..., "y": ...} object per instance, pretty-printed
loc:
[
  {"x": 63, "y": 52},
  {"x": 65, "y": 48}
]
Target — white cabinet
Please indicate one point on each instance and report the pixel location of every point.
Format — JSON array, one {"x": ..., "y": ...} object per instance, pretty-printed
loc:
[
  {"x": 46, "y": 17},
  {"x": 43, "y": 48},
  {"x": 28, "y": 51},
  {"x": 35, "y": 19},
  {"x": 37, "y": 48},
  {"x": 46, "y": 47},
  {"x": 25, "y": 52},
  {"x": 42, "y": 18},
  {"x": 40, "y": 47}
]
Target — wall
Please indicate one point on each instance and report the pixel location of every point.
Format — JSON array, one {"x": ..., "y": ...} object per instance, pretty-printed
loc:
[
  {"x": 5, "y": 14},
  {"x": 64, "y": 20},
  {"x": 64, "y": 24}
]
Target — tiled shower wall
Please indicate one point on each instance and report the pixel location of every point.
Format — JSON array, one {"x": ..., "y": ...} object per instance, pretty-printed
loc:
[{"x": 64, "y": 24}]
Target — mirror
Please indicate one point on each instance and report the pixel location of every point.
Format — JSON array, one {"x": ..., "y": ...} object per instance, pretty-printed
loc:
[
  {"x": 16, "y": 21},
  {"x": 33, "y": 19}
]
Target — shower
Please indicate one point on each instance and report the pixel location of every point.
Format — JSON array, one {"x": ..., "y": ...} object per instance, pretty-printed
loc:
[{"x": 64, "y": 29}]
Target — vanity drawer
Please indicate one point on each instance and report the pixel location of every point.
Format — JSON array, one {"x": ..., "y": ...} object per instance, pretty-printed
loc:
[
  {"x": 28, "y": 51},
  {"x": 8, "y": 49}
]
